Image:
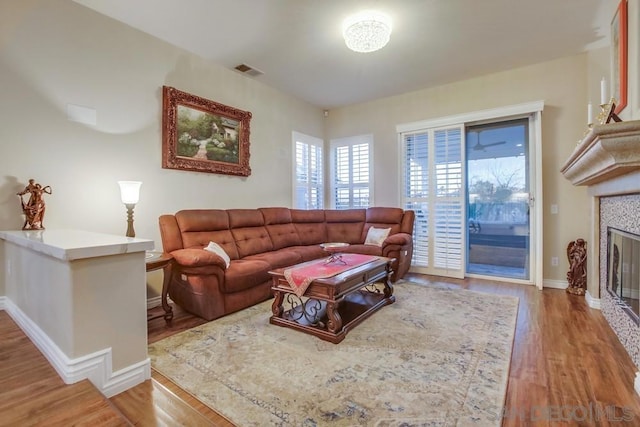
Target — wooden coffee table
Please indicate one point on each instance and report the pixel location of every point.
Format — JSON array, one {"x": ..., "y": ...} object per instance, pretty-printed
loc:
[{"x": 331, "y": 307}]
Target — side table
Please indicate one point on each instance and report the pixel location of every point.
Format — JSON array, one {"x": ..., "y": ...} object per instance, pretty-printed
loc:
[{"x": 164, "y": 261}]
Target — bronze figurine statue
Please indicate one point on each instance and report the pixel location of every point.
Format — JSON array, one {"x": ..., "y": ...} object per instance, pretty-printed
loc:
[
  {"x": 33, "y": 209},
  {"x": 577, "y": 274}
]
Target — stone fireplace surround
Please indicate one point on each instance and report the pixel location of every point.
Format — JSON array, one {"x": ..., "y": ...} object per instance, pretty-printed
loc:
[
  {"x": 607, "y": 160},
  {"x": 620, "y": 212}
]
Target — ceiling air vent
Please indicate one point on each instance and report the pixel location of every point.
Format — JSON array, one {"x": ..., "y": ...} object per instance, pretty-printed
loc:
[{"x": 246, "y": 69}]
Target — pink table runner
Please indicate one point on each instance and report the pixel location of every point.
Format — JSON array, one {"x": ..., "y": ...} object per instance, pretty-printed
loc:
[{"x": 299, "y": 278}]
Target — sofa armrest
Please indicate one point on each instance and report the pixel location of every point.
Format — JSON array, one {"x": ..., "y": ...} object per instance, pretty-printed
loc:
[
  {"x": 192, "y": 258},
  {"x": 398, "y": 239},
  {"x": 400, "y": 247}
]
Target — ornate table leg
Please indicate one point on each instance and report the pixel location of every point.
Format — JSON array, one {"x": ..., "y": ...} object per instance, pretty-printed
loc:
[
  {"x": 168, "y": 310},
  {"x": 276, "y": 307},
  {"x": 334, "y": 323},
  {"x": 388, "y": 287}
]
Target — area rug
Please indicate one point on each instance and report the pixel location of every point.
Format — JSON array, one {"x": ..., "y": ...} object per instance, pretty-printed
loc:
[{"x": 436, "y": 357}]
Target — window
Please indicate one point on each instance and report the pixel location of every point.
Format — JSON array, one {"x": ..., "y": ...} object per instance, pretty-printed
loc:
[
  {"x": 351, "y": 162},
  {"x": 308, "y": 185}
]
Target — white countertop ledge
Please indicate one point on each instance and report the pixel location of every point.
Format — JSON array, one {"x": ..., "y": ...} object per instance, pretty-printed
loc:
[{"x": 71, "y": 245}]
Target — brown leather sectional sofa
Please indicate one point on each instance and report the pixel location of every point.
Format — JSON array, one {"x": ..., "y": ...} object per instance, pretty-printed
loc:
[{"x": 260, "y": 240}]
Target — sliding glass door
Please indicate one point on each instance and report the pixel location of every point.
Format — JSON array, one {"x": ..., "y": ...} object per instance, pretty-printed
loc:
[
  {"x": 498, "y": 196},
  {"x": 472, "y": 180}
]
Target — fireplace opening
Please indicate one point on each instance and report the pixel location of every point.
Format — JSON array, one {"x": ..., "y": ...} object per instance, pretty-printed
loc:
[{"x": 623, "y": 270}]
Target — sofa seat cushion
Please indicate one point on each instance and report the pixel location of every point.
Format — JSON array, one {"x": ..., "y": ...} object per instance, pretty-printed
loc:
[
  {"x": 277, "y": 259},
  {"x": 363, "y": 249},
  {"x": 244, "y": 274}
]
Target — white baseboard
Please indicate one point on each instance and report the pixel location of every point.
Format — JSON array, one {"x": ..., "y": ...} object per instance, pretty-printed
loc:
[
  {"x": 3, "y": 302},
  {"x": 562, "y": 284},
  {"x": 154, "y": 302},
  {"x": 554, "y": 284},
  {"x": 636, "y": 383},
  {"x": 95, "y": 366},
  {"x": 592, "y": 302}
]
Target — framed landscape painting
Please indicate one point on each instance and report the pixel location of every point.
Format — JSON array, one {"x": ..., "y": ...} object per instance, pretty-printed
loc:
[{"x": 203, "y": 136}]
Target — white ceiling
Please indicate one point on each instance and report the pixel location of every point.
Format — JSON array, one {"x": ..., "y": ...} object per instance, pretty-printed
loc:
[{"x": 299, "y": 47}]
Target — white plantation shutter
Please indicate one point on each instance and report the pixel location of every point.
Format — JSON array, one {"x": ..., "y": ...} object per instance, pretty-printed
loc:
[
  {"x": 341, "y": 177},
  {"x": 308, "y": 178},
  {"x": 351, "y": 172},
  {"x": 449, "y": 200},
  {"x": 416, "y": 192},
  {"x": 433, "y": 188}
]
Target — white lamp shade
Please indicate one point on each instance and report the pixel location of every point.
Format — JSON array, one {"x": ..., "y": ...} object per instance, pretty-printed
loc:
[
  {"x": 366, "y": 31},
  {"x": 129, "y": 191}
]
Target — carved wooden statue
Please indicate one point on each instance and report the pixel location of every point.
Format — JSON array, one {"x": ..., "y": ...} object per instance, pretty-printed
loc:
[
  {"x": 577, "y": 274},
  {"x": 33, "y": 209}
]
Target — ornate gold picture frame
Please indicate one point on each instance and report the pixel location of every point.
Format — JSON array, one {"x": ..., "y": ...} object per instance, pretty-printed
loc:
[
  {"x": 203, "y": 136},
  {"x": 619, "y": 56}
]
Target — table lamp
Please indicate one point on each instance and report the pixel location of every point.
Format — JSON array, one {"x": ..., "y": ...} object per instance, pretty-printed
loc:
[{"x": 130, "y": 194}]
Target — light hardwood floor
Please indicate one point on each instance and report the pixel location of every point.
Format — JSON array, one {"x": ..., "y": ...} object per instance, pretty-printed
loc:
[
  {"x": 567, "y": 368},
  {"x": 32, "y": 393}
]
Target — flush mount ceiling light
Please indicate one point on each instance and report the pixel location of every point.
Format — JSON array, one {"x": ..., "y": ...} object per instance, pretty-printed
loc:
[{"x": 366, "y": 31}]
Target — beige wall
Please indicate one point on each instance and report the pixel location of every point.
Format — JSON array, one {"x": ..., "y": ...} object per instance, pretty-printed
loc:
[
  {"x": 56, "y": 52},
  {"x": 562, "y": 84}
]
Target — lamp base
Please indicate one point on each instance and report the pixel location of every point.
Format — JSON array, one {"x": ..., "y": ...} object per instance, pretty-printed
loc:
[{"x": 130, "y": 231}]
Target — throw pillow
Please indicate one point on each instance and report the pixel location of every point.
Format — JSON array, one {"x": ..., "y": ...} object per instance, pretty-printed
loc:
[
  {"x": 217, "y": 249},
  {"x": 375, "y": 236}
]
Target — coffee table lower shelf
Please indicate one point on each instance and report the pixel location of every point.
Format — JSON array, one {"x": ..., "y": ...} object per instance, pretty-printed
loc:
[
  {"x": 351, "y": 310},
  {"x": 332, "y": 307}
]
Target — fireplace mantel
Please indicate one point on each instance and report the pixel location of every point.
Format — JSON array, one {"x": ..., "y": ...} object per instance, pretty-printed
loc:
[{"x": 608, "y": 151}]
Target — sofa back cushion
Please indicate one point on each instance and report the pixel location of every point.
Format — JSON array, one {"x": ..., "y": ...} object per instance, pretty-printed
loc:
[
  {"x": 380, "y": 217},
  {"x": 244, "y": 232},
  {"x": 345, "y": 225},
  {"x": 249, "y": 232},
  {"x": 201, "y": 226},
  {"x": 310, "y": 225},
  {"x": 278, "y": 223}
]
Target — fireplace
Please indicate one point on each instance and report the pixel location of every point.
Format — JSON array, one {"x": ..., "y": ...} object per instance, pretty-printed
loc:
[
  {"x": 607, "y": 162},
  {"x": 623, "y": 270}
]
